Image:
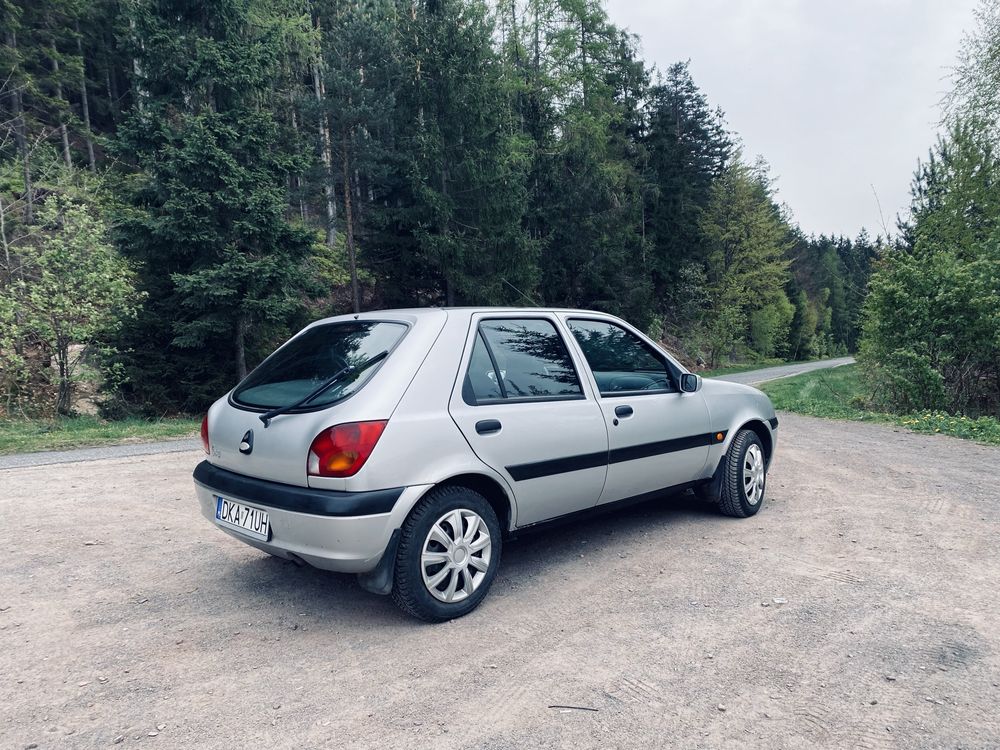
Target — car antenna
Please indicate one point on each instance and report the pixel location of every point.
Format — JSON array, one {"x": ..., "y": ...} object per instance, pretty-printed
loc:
[{"x": 520, "y": 292}]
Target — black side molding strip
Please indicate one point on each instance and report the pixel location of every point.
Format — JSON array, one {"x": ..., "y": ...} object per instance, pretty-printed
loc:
[
  {"x": 645, "y": 450},
  {"x": 774, "y": 423},
  {"x": 298, "y": 499},
  {"x": 550, "y": 467},
  {"x": 538, "y": 469}
]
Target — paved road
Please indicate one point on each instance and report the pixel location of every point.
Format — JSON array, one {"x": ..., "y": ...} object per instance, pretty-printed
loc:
[
  {"x": 44, "y": 458},
  {"x": 859, "y": 609},
  {"x": 753, "y": 377}
]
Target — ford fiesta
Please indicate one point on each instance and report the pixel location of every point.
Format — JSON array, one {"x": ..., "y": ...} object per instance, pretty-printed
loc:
[{"x": 407, "y": 445}]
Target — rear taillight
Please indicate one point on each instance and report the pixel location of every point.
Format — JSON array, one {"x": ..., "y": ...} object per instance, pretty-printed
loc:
[
  {"x": 204, "y": 434},
  {"x": 342, "y": 450}
]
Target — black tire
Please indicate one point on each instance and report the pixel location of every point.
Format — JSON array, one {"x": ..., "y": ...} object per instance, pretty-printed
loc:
[
  {"x": 409, "y": 591},
  {"x": 733, "y": 500}
]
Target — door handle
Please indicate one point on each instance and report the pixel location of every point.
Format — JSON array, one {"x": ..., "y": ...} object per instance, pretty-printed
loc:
[
  {"x": 623, "y": 411},
  {"x": 488, "y": 426}
]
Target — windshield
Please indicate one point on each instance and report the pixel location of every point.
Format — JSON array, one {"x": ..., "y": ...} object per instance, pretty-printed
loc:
[{"x": 312, "y": 358}]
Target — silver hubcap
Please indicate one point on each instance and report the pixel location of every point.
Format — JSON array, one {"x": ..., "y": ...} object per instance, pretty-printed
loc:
[
  {"x": 456, "y": 555},
  {"x": 753, "y": 475}
]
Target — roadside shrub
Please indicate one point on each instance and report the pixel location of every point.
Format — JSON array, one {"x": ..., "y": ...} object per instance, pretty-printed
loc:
[
  {"x": 932, "y": 317},
  {"x": 70, "y": 287},
  {"x": 909, "y": 382}
]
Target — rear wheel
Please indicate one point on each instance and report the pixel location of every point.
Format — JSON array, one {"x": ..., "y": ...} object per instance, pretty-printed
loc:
[
  {"x": 744, "y": 477},
  {"x": 449, "y": 552}
]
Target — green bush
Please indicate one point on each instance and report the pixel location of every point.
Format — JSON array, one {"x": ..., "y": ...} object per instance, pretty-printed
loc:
[{"x": 932, "y": 317}]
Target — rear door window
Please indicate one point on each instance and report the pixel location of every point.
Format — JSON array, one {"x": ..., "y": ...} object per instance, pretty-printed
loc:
[
  {"x": 315, "y": 356},
  {"x": 622, "y": 363},
  {"x": 520, "y": 359}
]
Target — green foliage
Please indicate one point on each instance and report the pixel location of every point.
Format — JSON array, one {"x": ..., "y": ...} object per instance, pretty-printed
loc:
[
  {"x": 843, "y": 393},
  {"x": 447, "y": 222},
  {"x": 932, "y": 325},
  {"x": 66, "y": 286},
  {"x": 204, "y": 217},
  {"x": 269, "y": 161},
  {"x": 748, "y": 239},
  {"x": 770, "y": 325},
  {"x": 687, "y": 150},
  {"x": 975, "y": 96}
]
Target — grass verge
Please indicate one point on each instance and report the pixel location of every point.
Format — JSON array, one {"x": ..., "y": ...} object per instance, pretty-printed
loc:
[
  {"x": 24, "y": 436},
  {"x": 840, "y": 394},
  {"x": 744, "y": 367}
]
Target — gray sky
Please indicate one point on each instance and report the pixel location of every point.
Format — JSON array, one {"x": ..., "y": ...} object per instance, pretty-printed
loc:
[{"x": 837, "y": 95}]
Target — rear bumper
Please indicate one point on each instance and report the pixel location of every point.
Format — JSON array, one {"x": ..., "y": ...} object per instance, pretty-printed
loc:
[{"x": 341, "y": 531}]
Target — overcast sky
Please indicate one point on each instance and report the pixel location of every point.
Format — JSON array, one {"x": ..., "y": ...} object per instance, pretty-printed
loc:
[{"x": 837, "y": 95}]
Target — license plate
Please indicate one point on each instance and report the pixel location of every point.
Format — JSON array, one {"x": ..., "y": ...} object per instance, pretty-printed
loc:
[{"x": 250, "y": 521}]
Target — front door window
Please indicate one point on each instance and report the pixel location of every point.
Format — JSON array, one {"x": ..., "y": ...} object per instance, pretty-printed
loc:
[{"x": 622, "y": 363}]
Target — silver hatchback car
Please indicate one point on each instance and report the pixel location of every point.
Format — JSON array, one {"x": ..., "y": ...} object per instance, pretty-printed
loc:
[{"x": 407, "y": 445}]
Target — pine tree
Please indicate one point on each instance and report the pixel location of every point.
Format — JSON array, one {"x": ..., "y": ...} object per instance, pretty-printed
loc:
[
  {"x": 223, "y": 267},
  {"x": 449, "y": 227},
  {"x": 688, "y": 149},
  {"x": 748, "y": 239}
]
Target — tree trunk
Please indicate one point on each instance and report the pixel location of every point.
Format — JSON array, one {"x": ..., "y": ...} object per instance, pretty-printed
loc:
[
  {"x": 349, "y": 224},
  {"x": 326, "y": 152},
  {"x": 21, "y": 139},
  {"x": 63, "y": 400},
  {"x": 111, "y": 82},
  {"x": 140, "y": 95},
  {"x": 85, "y": 103},
  {"x": 583, "y": 55},
  {"x": 537, "y": 50},
  {"x": 242, "y": 327},
  {"x": 63, "y": 130},
  {"x": 449, "y": 287},
  {"x": 3, "y": 239},
  {"x": 297, "y": 179}
]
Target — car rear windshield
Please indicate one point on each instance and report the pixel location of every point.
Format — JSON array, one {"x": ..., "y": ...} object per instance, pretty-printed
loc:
[{"x": 314, "y": 357}]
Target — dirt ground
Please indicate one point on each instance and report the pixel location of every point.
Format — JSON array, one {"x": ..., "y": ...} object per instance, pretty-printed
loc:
[{"x": 860, "y": 608}]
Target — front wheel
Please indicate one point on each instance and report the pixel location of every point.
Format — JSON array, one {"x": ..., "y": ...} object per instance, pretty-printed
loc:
[
  {"x": 449, "y": 552},
  {"x": 744, "y": 477}
]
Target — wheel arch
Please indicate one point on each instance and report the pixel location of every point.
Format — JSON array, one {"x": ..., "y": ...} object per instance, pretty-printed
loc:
[
  {"x": 495, "y": 493},
  {"x": 763, "y": 432}
]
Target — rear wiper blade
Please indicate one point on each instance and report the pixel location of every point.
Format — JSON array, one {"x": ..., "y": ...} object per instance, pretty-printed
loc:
[{"x": 266, "y": 417}]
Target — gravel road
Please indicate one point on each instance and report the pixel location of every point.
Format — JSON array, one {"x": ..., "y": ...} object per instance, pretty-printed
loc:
[{"x": 860, "y": 608}]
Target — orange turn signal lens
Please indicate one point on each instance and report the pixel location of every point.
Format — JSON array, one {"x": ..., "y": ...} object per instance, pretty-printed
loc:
[
  {"x": 718, "y": 437},
  {"x": 342, "y": 450}
]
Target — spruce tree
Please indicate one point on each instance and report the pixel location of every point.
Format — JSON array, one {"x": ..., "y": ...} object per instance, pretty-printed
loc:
[{"x": 205, "y": 212}]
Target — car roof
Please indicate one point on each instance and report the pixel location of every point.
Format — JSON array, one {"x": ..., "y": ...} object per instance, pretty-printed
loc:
[
  {"x": 413, "y": 314},
  {"x": 466, "y": 311}
]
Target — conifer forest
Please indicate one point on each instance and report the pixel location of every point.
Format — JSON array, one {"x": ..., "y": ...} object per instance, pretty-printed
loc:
[{"x": 184, "y": 184}]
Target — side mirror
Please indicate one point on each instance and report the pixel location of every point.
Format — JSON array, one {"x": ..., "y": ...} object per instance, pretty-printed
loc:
[{"x": 690, "y": 383}]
